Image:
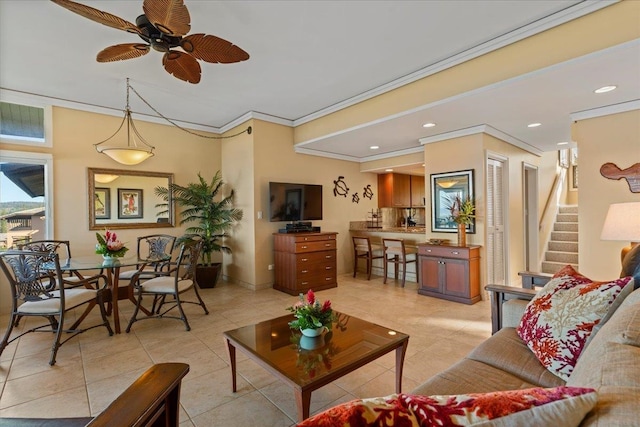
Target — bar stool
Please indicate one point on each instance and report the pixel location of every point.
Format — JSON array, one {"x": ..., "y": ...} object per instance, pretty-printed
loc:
[
  {"x": 399, "y": 252},
  {"x": 362, "y": 248}
]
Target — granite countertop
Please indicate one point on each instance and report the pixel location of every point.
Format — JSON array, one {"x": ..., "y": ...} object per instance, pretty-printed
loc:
[{"x": 411, "y": 230}]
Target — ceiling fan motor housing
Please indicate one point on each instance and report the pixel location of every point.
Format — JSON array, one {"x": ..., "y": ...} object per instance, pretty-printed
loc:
[{"x": 158, "y": 40}]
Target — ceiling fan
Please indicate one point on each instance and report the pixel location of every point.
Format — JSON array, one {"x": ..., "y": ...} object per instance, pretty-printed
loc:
[{"x": 163, "y": 27}]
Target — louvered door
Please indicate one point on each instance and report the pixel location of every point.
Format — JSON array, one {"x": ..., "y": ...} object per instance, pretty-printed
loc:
[{"x": 495, "y": 247}]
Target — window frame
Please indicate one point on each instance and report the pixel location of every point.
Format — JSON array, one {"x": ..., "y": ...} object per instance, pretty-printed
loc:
[
  {"x": 45, "y": 159},
  {"x": 47, "y": 118}
]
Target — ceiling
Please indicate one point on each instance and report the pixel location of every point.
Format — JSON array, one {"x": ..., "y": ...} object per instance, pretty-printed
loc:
[{"x": 309, "y": 58}]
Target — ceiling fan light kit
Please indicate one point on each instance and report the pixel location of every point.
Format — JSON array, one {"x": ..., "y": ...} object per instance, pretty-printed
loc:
[{"x": 164, "y": 27}]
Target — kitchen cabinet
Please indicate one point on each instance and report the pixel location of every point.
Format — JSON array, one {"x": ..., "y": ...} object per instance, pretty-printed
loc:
[
  {"x": 305, "y": 261},
  {"x": 417, "y": 191},
  {"x": 394, "y": 190},
  {"x": 449, "y": 272}
]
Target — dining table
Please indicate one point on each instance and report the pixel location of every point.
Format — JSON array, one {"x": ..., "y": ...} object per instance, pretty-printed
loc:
[{"x": 111, "y": 268}]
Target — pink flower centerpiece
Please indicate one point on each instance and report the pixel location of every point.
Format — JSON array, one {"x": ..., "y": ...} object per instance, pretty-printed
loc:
[
  {"x": 310, "y": 313},
  {"x": 109, "y": 246}
]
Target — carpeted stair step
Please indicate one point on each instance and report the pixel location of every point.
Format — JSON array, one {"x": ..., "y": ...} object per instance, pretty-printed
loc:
[
  {"x": 568, "y": 209},
  {"x": 565, "y": 226},
  {"x": 553, "y": 267},
  {"x": 563, "y": 257},
  {"x": 567, "y": 217},
  {"x": 564, "y": 236},
  {"x": 563, "y": 246}
]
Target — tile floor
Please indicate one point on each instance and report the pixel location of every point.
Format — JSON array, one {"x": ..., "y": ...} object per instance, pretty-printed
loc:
[{"x": 93, "y": 368}]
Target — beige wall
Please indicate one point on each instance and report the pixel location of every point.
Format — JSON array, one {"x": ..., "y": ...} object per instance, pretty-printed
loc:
[
  {"x": 605, "y": 28},
  {"x": 616, "y": 139},
  {"x": 74, "y": 133},
  {"x": 278, "y": 162}
]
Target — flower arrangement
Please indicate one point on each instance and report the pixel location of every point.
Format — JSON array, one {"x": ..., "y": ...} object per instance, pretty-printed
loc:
[
  {"x": 462, "y": 210},
  {"x": 310, "y": 313},
  {"x": 313, "y": 362},
  {"x": 109, "y": 245}
]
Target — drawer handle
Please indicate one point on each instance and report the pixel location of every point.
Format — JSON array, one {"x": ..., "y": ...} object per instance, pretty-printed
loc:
[
  {"x": 327, "y": 244},
  {"x": 327, "y": 268},
  {"x": 304, "y": 260},
  {"x": 306, "y": 238},
  {"x": 428, "y": 250},
  {"x": 305, "y": 283},
  {"x": 327, "y": 278},
  {"x": 304, "y": 247},
  {"x": 328, "y": 256},
  {"x": 304, "y": 271},
  {"x": 455, "y": 252}
]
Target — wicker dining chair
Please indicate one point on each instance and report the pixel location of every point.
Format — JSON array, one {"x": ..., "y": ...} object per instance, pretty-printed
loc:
[
  {"x": 32, "y": 277},
  {"x": 181, "y": 278}
]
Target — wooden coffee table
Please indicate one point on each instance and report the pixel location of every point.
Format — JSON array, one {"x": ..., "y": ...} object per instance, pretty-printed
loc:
[{"x": 307, "y": 365}]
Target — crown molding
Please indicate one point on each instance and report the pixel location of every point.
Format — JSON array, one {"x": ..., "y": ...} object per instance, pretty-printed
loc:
[
  {"x": 36, "y": 100},
  {"x": 559, "y": 18},
  {"x": 258, "y": 116},
  {"x": 482, "y": 129},
  {"x": 302, "y": 150},
  {"x": 606, "y": 111}
]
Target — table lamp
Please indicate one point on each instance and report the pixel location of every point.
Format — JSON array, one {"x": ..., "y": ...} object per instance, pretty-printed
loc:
[{"x": 623, "y": 223}]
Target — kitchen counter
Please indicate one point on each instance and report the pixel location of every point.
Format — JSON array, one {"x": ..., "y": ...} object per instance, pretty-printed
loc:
[{"x": 358, "y": 226}]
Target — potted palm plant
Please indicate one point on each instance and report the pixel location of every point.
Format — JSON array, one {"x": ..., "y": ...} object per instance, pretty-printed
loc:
[{"x": 211, "y": 217}]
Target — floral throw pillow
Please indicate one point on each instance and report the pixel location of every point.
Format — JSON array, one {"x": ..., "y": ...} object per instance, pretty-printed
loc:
[
  {"x": 559, "y": 320},
  {"x": 557, "y": 406}
]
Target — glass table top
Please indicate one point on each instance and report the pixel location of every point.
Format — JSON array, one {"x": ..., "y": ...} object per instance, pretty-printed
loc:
[
  {"x": 96, "y": 262},
  {"x": 304, "y": 360}
]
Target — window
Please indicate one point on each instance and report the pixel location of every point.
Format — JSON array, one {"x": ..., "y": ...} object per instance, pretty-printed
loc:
[
  {"x": 25, "y": 124},
  {"x": 25, "y": 199}
]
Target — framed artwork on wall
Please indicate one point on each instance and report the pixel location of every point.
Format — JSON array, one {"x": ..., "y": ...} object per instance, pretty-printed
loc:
[
  {"x": 102, "y": 203},
  {"x": 445, "y": 187},
  {"x": 129, "y": 203}
]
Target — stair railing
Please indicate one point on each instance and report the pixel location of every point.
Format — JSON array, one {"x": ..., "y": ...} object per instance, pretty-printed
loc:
[{"x": 550, "y": 209}]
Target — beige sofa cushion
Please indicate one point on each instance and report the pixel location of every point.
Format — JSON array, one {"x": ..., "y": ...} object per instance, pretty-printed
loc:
[
  {"x": 507, "y": 352},
  {"x": 611, "y": 365},
  {"x": 471, "y": 376}
]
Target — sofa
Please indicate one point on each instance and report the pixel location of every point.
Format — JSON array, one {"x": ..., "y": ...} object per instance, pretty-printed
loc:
[
  {"x": 610, "y": 362},
  {"x": 567, "y": 354}
]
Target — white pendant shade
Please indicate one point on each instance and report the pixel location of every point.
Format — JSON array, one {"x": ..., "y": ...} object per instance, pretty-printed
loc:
[
  {"x": 126, "y": 156},
  {"x": 103, "y": 178}
]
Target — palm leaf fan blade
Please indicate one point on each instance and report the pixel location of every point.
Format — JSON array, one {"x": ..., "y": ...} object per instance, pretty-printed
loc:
[
  {"x": 182, "y": 66},
  {"x": 169, "y": 16},
  {"x": 121, "y": 52},
  {"x": 213, "y": 49},
  {"x": 98, "y": 16}
]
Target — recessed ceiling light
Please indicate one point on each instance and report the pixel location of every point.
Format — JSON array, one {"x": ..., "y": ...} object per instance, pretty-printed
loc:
[
  {"x": 605, "y": 89},
  {"x": 374, "y": 147},
  {"x": 534, "y": 125},
  {"x": 428, "y": 125},
  {"x": 388, "y": 170},
  {"x": 563, "y": 143}
]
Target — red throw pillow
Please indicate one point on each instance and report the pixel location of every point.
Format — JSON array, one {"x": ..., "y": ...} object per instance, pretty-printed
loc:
[
  {"x": 560, "y": 318},
  {"x": 565, "y": 406}
]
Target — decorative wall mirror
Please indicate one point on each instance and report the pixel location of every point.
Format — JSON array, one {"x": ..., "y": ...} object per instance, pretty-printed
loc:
[
  {"x": 444, "y": 188},
  {"x": 126, "y": 199}
]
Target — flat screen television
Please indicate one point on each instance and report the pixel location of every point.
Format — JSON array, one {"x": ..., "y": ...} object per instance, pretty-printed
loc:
[{"x": 295, "y": 202}]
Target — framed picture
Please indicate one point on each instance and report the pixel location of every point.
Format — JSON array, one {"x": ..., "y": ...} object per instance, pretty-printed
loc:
[
  {"x": 102, "y": 203},
  {"x": 129, "y": 203},
  {"x": 445, "y": 187},
  {"x": 563, "y": 158}
]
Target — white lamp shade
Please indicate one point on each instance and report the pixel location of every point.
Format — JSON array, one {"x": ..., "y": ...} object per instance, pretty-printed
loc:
[
  {"x": 622, "y": 222},
  {"x": 103, "y": 178},
  {"x": 127, "y": 156}
]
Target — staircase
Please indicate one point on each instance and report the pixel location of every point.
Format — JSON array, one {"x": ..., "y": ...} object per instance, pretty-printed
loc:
[{"x": 563, "y": 246}]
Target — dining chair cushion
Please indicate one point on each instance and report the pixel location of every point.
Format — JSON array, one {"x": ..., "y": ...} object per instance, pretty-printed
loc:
[
  {"x": 72, "y": 298},
  {"x": 166, "y": 285},
  {"x": 146, "y": 273}
]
